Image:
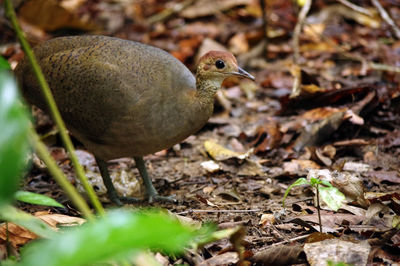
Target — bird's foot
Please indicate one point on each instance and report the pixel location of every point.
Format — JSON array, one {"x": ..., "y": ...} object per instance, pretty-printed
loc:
[
  {"x": 120, "y": 201},
  {"x": 156, "y": 197},
  {"x": 114, "y": 198}
]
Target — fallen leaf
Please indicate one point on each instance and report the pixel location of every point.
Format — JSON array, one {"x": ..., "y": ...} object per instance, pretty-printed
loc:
[
  {"x": 50, "y": 15},
  {"x": 227, "y": 258},
  {"x": 336, "y": 250}
]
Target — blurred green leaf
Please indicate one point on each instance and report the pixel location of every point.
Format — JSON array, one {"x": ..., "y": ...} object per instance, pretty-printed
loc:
[
  {"x": 30, "y": 222},
  {"x": 332, "y": 197},
  {"x": 4, "y": 65},
  {"x": 115, "y": 235},
  {"x": 299, "y": 182},
  {"x": 10, "y": 261},
  {"x": 326, "y": 183},
  {"x": 212, "y": 235},
  {"x": 14, "y": 123},
  {"x": 35, "y": 198},
  {"x": 314, "y": 181},
  {"x": 333, "y": 263},
  {"x": 396, "y": 222}
]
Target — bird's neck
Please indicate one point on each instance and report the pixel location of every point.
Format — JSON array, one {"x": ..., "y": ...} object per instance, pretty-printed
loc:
[{"x": 206, "y": 88}]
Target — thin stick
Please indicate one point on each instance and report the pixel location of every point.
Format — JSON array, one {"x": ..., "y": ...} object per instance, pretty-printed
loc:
[
  {"x": 384, "y": 67},
  {"x": 290, "y": 240},
  {"x": 8, "y": 242},
  {"x": 297, "y": 30},
  {"x": 264, "y": 26},
  {"x": 371, "y": 65},
  {"x": 168, "y": 12},
  {"x": 385, "y": 16},
  {"x": 59, "y": 176},
  {"x": 218, "y": 211},
  {"x": 318, "y": 210},
  {"x": 359, "y": 9},
  {"x": 53, "y": 108},
  {"x": 296, "y": 48}
]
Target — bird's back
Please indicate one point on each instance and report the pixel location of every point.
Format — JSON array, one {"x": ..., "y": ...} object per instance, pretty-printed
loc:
[{"x": 101, "y": 83}]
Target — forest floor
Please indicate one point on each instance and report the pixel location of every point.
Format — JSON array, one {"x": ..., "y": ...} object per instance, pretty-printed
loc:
[{"x": 341, "y": 124}]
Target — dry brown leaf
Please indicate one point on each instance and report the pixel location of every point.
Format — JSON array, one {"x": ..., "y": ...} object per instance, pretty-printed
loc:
[
  {"x": 320, "y": 113},
  {"x": 238, "y": 44},
  {"x": 220, "y": 153},
  {"x": 318, "y": 236},
  {"x": 268, "y": 136},
  {"x": 227, "y": 258},
  {"x": 380, "y": 216},
  {"x": 209, "y": 45},
  {"x": 267, "y": 219},
  {"x": 332, "y": 220},
  {"x": 315, "y": 133},
  {"x": 278, "y": 255},
  {"x": 322, "y": 158},
  {"x": 296, "y": 167},
  {"x": 50, "y": 15},
  {"x": 17, "y": 235},
  {"x": 352, "y": 186},
  {"x": 336, "y": 250},
  {"x": 55, "y": 220},
  {"x": 379, "y": 176},
  {"x": 312, "y": 88}
]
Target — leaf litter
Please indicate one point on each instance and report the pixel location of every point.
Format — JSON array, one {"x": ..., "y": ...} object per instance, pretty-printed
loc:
[{"x": 344, "y": 122}]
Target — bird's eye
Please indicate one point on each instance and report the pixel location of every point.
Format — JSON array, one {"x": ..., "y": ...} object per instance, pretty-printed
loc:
[{"x": 220, "y": 64}]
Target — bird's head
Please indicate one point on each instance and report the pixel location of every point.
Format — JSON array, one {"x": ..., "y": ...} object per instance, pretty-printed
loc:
[{"x": 218, "y": 65}]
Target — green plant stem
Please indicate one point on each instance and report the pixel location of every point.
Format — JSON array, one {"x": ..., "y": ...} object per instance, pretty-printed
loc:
[
  {"x": 53, "y": 109},
  {"x": 8, "y": 243},
  {"x": 318, "y": 210},
  {"x": 59, "y": 176}
]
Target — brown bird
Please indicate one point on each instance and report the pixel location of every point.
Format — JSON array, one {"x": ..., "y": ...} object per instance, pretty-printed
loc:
[{"x": 122, "y": 98}]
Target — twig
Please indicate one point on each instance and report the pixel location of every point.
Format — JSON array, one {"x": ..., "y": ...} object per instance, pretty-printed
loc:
[
  {"x": 384, "y": 238},
  {"x": 385, "y": 16},
  {"x": 290, "y": 240},
  {"x": 168, "y": 12},
  {"x": 384, "y": 67},
  {"x": 296, "y": 48},
  {"x": 359, "y": 9},
  {"x": 53, "y": 107},
  {"x": 318, "y": 210},
  {"x": 371, "y": 65},
  {"x": 297, "y": 30},
  {"x": 218, "y": 211},
  {"x": 264, "y": 26},
  {"x": 8, "y": 242},
  {"x": 59, "y": 176}
]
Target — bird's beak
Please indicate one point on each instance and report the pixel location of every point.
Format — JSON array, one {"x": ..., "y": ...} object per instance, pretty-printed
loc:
[{"x": 243, "y": 73}]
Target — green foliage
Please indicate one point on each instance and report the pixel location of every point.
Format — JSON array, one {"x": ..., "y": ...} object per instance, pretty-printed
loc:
[
  {"x": 32, "y": 223},
  {"x": 4, "y": 65},
  {"x": 14, "y": 143},
  {"x": 331, "y": 196},
  {"x": 10, "y": 261},
  {"x": 35, "y": 198},
  {"x": 118, "y": 234},
  {"x": 332, "y": 263},
  {"x": 328, "y": 193},
  {"x": 299, "y": 182}
]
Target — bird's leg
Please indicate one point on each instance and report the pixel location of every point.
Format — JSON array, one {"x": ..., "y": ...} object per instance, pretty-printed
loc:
[
  {"x": 151, "y": 191},
  {"x": 112, "y": 193}
]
